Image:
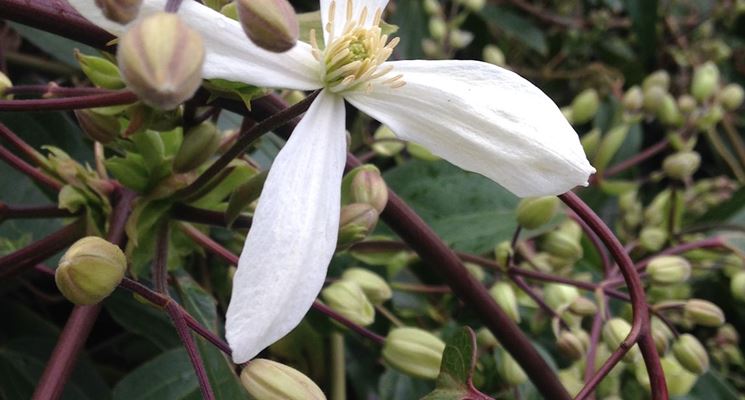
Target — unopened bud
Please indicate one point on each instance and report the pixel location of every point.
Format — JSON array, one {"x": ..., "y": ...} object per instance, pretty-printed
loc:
[
  {"x": 5, "y": 84},
  {"x": 609, "y": 145},
  {"x": 90, "y": 270},
  {"x": 704, "y": 313},
  {"x": 728, "y": 334},
  {"x": 535, "y": 211},
  {"x": 737, "y": 286},
  {"x": 437, "y": 27},
  {"x": 562, "y": 245},
  {"x": 615, "y": 332},
  {"x": 476, "y": 271},
  {"x": 705, "y": 81},
  {"x": 432, "y": 7},
  {"x": 270, "y": 24},
  {"x": 583, "y": 307},
  {"x": 473, "y": 5},
  {"x": 668, "y": 270},
  {"x": 710, "y": 117},
  {"x": 504, "y": 295},
  {"x": 375, "y": 288},
  {"x": 121, "y": 11},
  {"x": 414, "y": 352},
  {"x": 691, "y": 354},
  {"x": 732, "y": 96},
  {"x": 661, "y": 334},
  {"x": 571, "y": 345},
  {"x": 270, "y": 380},
  {"x": 386, "y": 143},
  {"x": 459, "y": 38},
  {"x": 356, "y": 221},
  {"x": 558, "y": 295},
  {"x": 681, "y": 165},
  {"x": 668, "y": 112},
  {"x": 633, "y": 99},
  {"x": 100, "y": 71},
  {"x": 654, "y": 96},
  {"x": 686, "y": 104},
  {"x": 679, "y": 380},
  {"x": 365, "y": 185},
  {"x": 652, "y": 238},
  {"x": 348, "y": 299},
  {"x": 486, "y": 339},
  {"x": 510, "y": 370},
  {"x": 585, "y": 106},
  {"x": 199, "y": 144},
  {"x": 98, "y": 127},
  {"x": 503, "y": 253},
  {"x": 161, "y": 60},
  {"x": 493, "y": 55},
  {"x": 659, "y": 78},
  {"x": 590, "y": 142}
]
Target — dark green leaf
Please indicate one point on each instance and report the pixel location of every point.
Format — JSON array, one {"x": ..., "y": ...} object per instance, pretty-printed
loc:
[
  {"x": 56, "y": 46},
  {"x": 142, "y": 319},
  {"x": 643, "y": 15},
  {"x": 516, "y": 27},
  {"x": 169, "y": 376},
  {"x": 395, "y": 386},
  {"x": 412, "y": 22}
]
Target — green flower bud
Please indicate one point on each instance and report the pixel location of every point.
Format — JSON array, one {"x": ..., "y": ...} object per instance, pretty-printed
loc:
[
  {"x": 485, "y": 339},
  {"x": 704, "y": 313},
  {"x": 691, "y": 354},
  {"x": 503, "y": 252},
  {"x": 161, "y": 60},
  {"x": 571, "y": 380},
  {"x": 614, "y": 333},
  {"x": 375, "y": 288},
  {"x": 386, "y": 143},
  {"x": 633, "y": 99},
  {"x": 711, "y": 116},
  {"x": 121, "y": 11},
  {"x": 493, "y": 55},
  {"x": 245, "y": 195},
  {"x": 571, "y": 346},
  {"x": 90, "y": 270},
  {"x": 270, "y": 380},
  {"x": 737, "y": 286},
  {"x": 679, "y": 380},
  {"x": 510, "y": 370},
  {"x": 609, "y": 146},
  {"x": 432, "y": 7},
  {"x": 705, "y": 81},
  {"x": 727, "y": 334},
  {"x": 652, "y": 238},
  {"x": 270, "y": 24},
  {"x": 348, "y": 299},
  {"x": 686, "y": 104},
  {"x": 473, "y": 5},
  {"x": 101, "y": 72},
  {"x": 659, "y": 79},
  {"x": 562, "y": 245},
  {"x": 682, "y": 165},
  {"x": 230, "y": 10},
  {"x": 475, "y": 270},
  {"x": 504, "y": 295},
  {"x": 585, "y": 106},
  {"x": 5, "y": 84},
  {"x": 414, "y": 352},
  {"x": 669, "y": 270},
  {"x": 654, "y": 96},
  {"x": 357, "y": 220},
  {"x": 661, "y": 334},
  {"x": 536, "y": 211},
  {"x": 420, "y": 152},
  {"x": 460, "y": 39},
  {"x": 365, "y": 185},
  {"x": 590, "y": 142},
  {"x": 98, "y": 127},
  {"x": 732, "y": 96},
  {"x": 437, "y": 27},
  {"x": 668, "y": 112},
  {"x": 200, "y": 143},
  {"x": 558, "y": 295},
  {"x": 583, "y": 307}
]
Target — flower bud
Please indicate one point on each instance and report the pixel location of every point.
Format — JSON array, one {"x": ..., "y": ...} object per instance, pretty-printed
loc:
[
  {"x": 199, "y": 144},
  {"x": 473, "y": 5},
  {"x": 710, "y": 117},
  {"x": 570, "y": 345},
  {"x": 420, "y": 152},
  {"x": 704, "y": 313},
  {"x": 510, "y": 370},
  {"x": 90, "y": 270},
  {"x": 493, "y": 55},
  {"x": 98, "y": 127},
  {"x": 375, "y": 288},
  {"x": 705, "y": 81},
  {"x": 365, "y": 185},
  {"x": 437, "y": 28},
  {"x": 609, "y": 145},
  {"x": 386, "y": 143},
  {"x": 121, "y": 11},
  {"x": 659, "y": 78},
  {"x": 432, "y": 7},
  {"x": 652, "y": 238},
  {"x": 356, "y": 221},
  {"x": 558, "y": 295},
  {"x": 476, "y": 271},
  {"x": 679, "y": 380},
  {"x": 691, "y": 354},
  {"x": 348, "y": 299},
  {"x": 459, "y": 38},
  {"x": 504, "y": 295},
  {"x": 503, "y": 252},
  {"x": 533, "y": 212},
  {"x": 682, "y": 165},
  {"x": 583, "y": 307},
  {"x": 727, "y": 334},
  {"x": 414, "y": 352},
  {"x": 668, "y": 270},
  {"x": 686, "y": 104},
  {"x": 737, "y": 286},
  {"x": 562, "y": 245},
  {"x": 654, "y": 96},
  {"x": 161, "y": 60},
  {"x": 585, "y": 106},
  {"x": 270, "y": 24},
  {"x": 590, "y": 142},
  {"x": 270, "y": 380},
  {"x": 732, "y": 97},
  {"x": 661, "y": 334},
  {"x": 614, "y": 333},
  {"x": 668, "y": 112},
  {"x": 486, "y": 339},
  {"x": 633, "y": 99},
  {"x": 5, "y": 84}
]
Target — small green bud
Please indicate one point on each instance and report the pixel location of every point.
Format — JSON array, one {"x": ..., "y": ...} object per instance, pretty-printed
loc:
[
  {"x": 414, "y": 352},
  {"x": 562, "y": 245},
  {"x": 559, "y": 296},
  {"x": 737, "y": 286},
  {"x": 654, "y": 96},
  {"x": 504, "y": 295},
  {"x": 585, "y": 106},
  {"x": 668, "y": 112},
  {"x": 386, "y": 143},
  {"x": 365, "y": 185},
  {"x": 375, "y": 288},
  {"x": 583, "y": 307},
  {"x": 669, "y": 270},
  {"x": 420, "y": 152},
  {"x": 98, "y": 127},
  {"x": 681, "y": 165},
  {"x": 571, "y": 346},
  {"x": 485, "y": 339},
  {"x": 348, "y": 299},
  {"x": 90, "y": 270},
  {"x": 503, "y": 252},
  {"x": 5, "y": 84},
  {"x": 161, "y": 59},
  {"x": 510, "y": 370},
  {"x": 732, "y": 96},
  {"x": 633, "y": 99},
  {"x": 691, "y": 354},
  {"x": 571, "y": 380},
  {"x": 609, "y": 146},
  {"x": 493, "y": 55},
  {"x": 536, "y": 211},
  {"x": 705, "y": 81},
  {"x": 270, "y": 24},
  {"x": 432, "y": 7},
  {"x": 460, "y": 39},
  {"x": 590, "y": 142},
  {"x": 679, "y": 380},
  {"x": 270, "y": 380},
  {"x": 710, "y": 117},
  {"x": 357, "y": 220},
  {"x": 101, "y": 72},
  {"x": 661, "y": 334},
  {"x": 245, "y": 195},
  {"x": 473, "y": 5},
  {"x": 659, "y": 79},
  {"x": 437, "y": 28},
  {"x": 475, "y": 270},
  {"x": 686, "y": 104},
  {"x": 199, "y": 144},
  {"x": 614, "y": 333},
  {"x": 121, "y": 11},
  {"x": 727, "y": 334},
  {"x": 652, "y": 238},
  {"x": 230, "y": 10},
  {"x": 704, "y": 313}
]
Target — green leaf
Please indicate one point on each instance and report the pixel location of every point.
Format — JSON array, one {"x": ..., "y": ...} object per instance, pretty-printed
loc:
[
  {"x": 643, "y": 15},
  {"x": 713, "y": 386},
  {"x": 168, "y": 376},
  {"x": 56, "y": 46},
  {"x": 412, "y": 20},
  {"x": 467, "y": 210},
  {"x": 516, "y": 27},
  {"x": 236, "y": 90},
  {"x": 456, "y": 371},
  {"x": 142, "y": 319},
  {"x": 395, "y": 386}
]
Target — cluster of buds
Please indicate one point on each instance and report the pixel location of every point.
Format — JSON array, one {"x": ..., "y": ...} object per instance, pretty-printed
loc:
[
  {"x": 356, "y": 294},
  {"x": 414, "y": 352},
  {"x": 446, "y": 35},
  {"x": 364, "y": 196},
  {"x": 709, "y": 193}
]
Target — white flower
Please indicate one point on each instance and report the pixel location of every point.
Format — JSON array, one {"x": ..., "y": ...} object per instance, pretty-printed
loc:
[{"x": 476, "y": 115}]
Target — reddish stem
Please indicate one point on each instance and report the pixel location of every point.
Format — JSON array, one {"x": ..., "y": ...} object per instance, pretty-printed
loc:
[
  {"x": 637, "y": 159},
  {"x": 29, "y": 170},
  {"x": 21, "y": 145},
  {"x": 54, "y": 90},
  {"x": 114, "y": 98},
  {"x": 32, "y": 212},
  {"x": 174, "y": 311},
  {"x": 196, "y": 215},
  {"x": 42, "y": 249}
]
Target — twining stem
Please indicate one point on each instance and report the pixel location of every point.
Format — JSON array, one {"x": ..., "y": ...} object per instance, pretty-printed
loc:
[
  {"x": 29, "y": 170},
  {"x": 32, "y": 212},
  {"x": 116, "y": 98},
  {"x": 520, "y": 282},
  {"x": 54, "y": 90},
  {"x": 42, "y": 249},
  {"x": 174, "y": 311},
  {"x": 21, "y": 146},
  {"x": 160, "y": 261},
  {"x": 637, "y": 159}
]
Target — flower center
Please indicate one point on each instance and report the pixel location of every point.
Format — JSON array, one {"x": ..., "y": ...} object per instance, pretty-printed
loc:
[{"x": 354, "y": 58}]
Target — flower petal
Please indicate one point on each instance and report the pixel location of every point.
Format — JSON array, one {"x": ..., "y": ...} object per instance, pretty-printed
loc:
[
  {"x": 293, "y": 235},
  {"x": 484, "y": 119},
  {"x": 230, "y": 54},
  {"x": 340, "y": 14}
]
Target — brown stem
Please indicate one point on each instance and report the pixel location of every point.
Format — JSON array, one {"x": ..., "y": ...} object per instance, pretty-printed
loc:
[
  {"x": 21, "y": 146},
  {"x": 29, "y": 170},
  {"x": 174, "y": 311},
  {"x": 637, "y": 159},
  {"x": 114, "y": 98},
  {"x": 41, "y": 250},
  {"x": 160, "y": 261},
  {"x": 55, "y": 91},
  {"x": 32, "y": 212},
  {"x": 196, "y": 215}
]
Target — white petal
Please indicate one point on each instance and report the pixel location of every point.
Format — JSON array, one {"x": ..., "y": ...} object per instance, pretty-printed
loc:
[
  {"x": 484, "y": 119},
  {"x": 293, "y": 235},
  {"x": 230, "y": 54},
  {"x": 341, "y": 8}
]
